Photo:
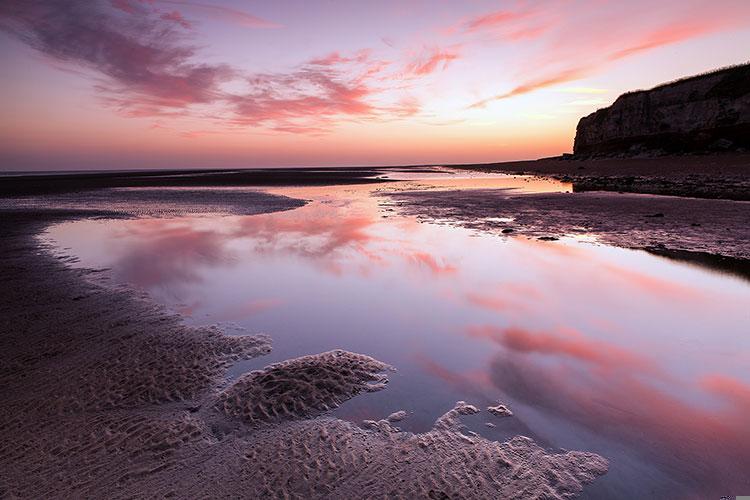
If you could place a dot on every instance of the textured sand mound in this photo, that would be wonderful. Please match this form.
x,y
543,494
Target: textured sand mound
x,y
329,458
301,387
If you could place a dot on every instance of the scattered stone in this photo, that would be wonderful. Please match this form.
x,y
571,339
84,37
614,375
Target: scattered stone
x,y
500,410
397,416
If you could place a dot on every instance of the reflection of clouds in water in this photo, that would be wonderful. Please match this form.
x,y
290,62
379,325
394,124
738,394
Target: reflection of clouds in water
x,y
569,343
168,254
325,234
653,285
619,395
508,297
625,396
248,308
313,235
471,383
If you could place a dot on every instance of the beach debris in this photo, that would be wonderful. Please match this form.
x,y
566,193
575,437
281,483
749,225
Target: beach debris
x,y
500,410
397,416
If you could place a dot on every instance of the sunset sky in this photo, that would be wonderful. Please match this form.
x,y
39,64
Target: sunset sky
x,y
240,83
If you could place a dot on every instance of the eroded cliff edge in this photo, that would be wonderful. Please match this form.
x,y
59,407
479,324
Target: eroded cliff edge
x,y
708,112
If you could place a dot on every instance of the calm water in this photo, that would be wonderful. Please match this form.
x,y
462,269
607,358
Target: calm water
x,y
639,358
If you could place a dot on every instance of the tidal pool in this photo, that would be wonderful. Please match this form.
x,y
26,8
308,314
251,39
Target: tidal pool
x,y
641,359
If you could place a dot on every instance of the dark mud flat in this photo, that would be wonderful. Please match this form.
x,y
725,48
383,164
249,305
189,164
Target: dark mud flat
x,y
716,176
153,202
20,185
682,228
107,395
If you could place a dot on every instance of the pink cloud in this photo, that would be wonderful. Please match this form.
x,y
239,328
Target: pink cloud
x,y
669,34
308,99
127,6
315,96
572,56
176,18
494,20
225,14
430,60
562,76
145,66
335,58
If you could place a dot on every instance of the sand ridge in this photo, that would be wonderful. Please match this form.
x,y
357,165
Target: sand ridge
x,y
301,387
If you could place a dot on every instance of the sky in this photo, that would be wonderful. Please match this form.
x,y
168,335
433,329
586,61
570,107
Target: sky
x,y
138,84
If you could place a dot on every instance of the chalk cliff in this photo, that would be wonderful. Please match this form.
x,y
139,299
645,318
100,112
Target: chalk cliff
x,y
707,112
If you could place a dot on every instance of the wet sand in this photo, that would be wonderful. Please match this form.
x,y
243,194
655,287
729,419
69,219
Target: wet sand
x,y
107,394
47,183
707,232
719,176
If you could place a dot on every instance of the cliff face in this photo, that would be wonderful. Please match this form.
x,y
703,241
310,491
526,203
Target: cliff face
x,y
700,113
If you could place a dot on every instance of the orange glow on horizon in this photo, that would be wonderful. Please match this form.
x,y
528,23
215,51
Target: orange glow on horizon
x,y
448,83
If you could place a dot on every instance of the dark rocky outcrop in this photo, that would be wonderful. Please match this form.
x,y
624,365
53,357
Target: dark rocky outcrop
x,y
709,112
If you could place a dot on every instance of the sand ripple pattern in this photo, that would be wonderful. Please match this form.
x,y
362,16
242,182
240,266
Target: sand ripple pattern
x,y
301,387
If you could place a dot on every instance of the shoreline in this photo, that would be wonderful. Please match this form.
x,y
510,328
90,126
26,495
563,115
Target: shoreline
x,y
706,232
713,176
109,394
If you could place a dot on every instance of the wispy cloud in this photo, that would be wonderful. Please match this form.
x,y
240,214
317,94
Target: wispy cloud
x,y
594,55
225,14
494,20
142,62
431,59
548,80
144,65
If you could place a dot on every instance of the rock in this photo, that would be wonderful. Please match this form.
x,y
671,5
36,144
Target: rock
x,y
507,230
695,114
500,410
396,416
721,144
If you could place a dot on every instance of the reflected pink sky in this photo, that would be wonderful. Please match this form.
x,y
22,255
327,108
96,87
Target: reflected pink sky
x,y
636,357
